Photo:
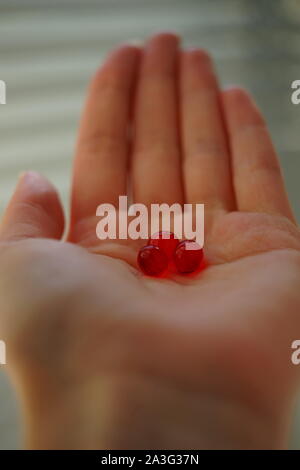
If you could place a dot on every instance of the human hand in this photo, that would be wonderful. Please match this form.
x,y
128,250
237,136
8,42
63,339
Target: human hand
x,y
104,357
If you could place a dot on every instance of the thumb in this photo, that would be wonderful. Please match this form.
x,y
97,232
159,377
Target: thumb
x,y
34,210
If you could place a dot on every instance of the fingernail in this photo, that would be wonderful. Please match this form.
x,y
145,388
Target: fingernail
x,y
135,42
230,87
28,176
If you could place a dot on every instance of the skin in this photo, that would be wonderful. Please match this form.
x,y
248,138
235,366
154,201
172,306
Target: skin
x,y
104,357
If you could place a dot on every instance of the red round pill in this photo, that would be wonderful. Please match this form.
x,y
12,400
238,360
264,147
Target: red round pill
x,y
152,260
188,256
166,241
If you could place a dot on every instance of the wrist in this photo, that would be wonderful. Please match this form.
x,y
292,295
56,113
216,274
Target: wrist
x,y
133,412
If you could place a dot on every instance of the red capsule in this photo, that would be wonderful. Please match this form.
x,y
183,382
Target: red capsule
x,y
167,241
152,260
188,256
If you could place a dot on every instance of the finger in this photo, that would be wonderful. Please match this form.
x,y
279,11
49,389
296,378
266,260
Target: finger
x,y
100,168
206,164
34,211
156,168
258,181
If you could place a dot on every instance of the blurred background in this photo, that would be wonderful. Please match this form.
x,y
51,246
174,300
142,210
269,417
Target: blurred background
x,y
49,49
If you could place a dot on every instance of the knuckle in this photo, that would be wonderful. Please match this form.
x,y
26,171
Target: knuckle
x,y
160,150
205,150
106,142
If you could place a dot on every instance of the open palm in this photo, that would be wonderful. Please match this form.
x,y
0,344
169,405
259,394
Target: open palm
x,y
183,362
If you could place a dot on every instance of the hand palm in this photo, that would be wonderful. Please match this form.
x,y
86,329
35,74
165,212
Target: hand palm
x,y
174,330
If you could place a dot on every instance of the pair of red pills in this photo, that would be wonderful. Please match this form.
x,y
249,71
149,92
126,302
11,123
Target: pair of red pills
x,y
164,248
